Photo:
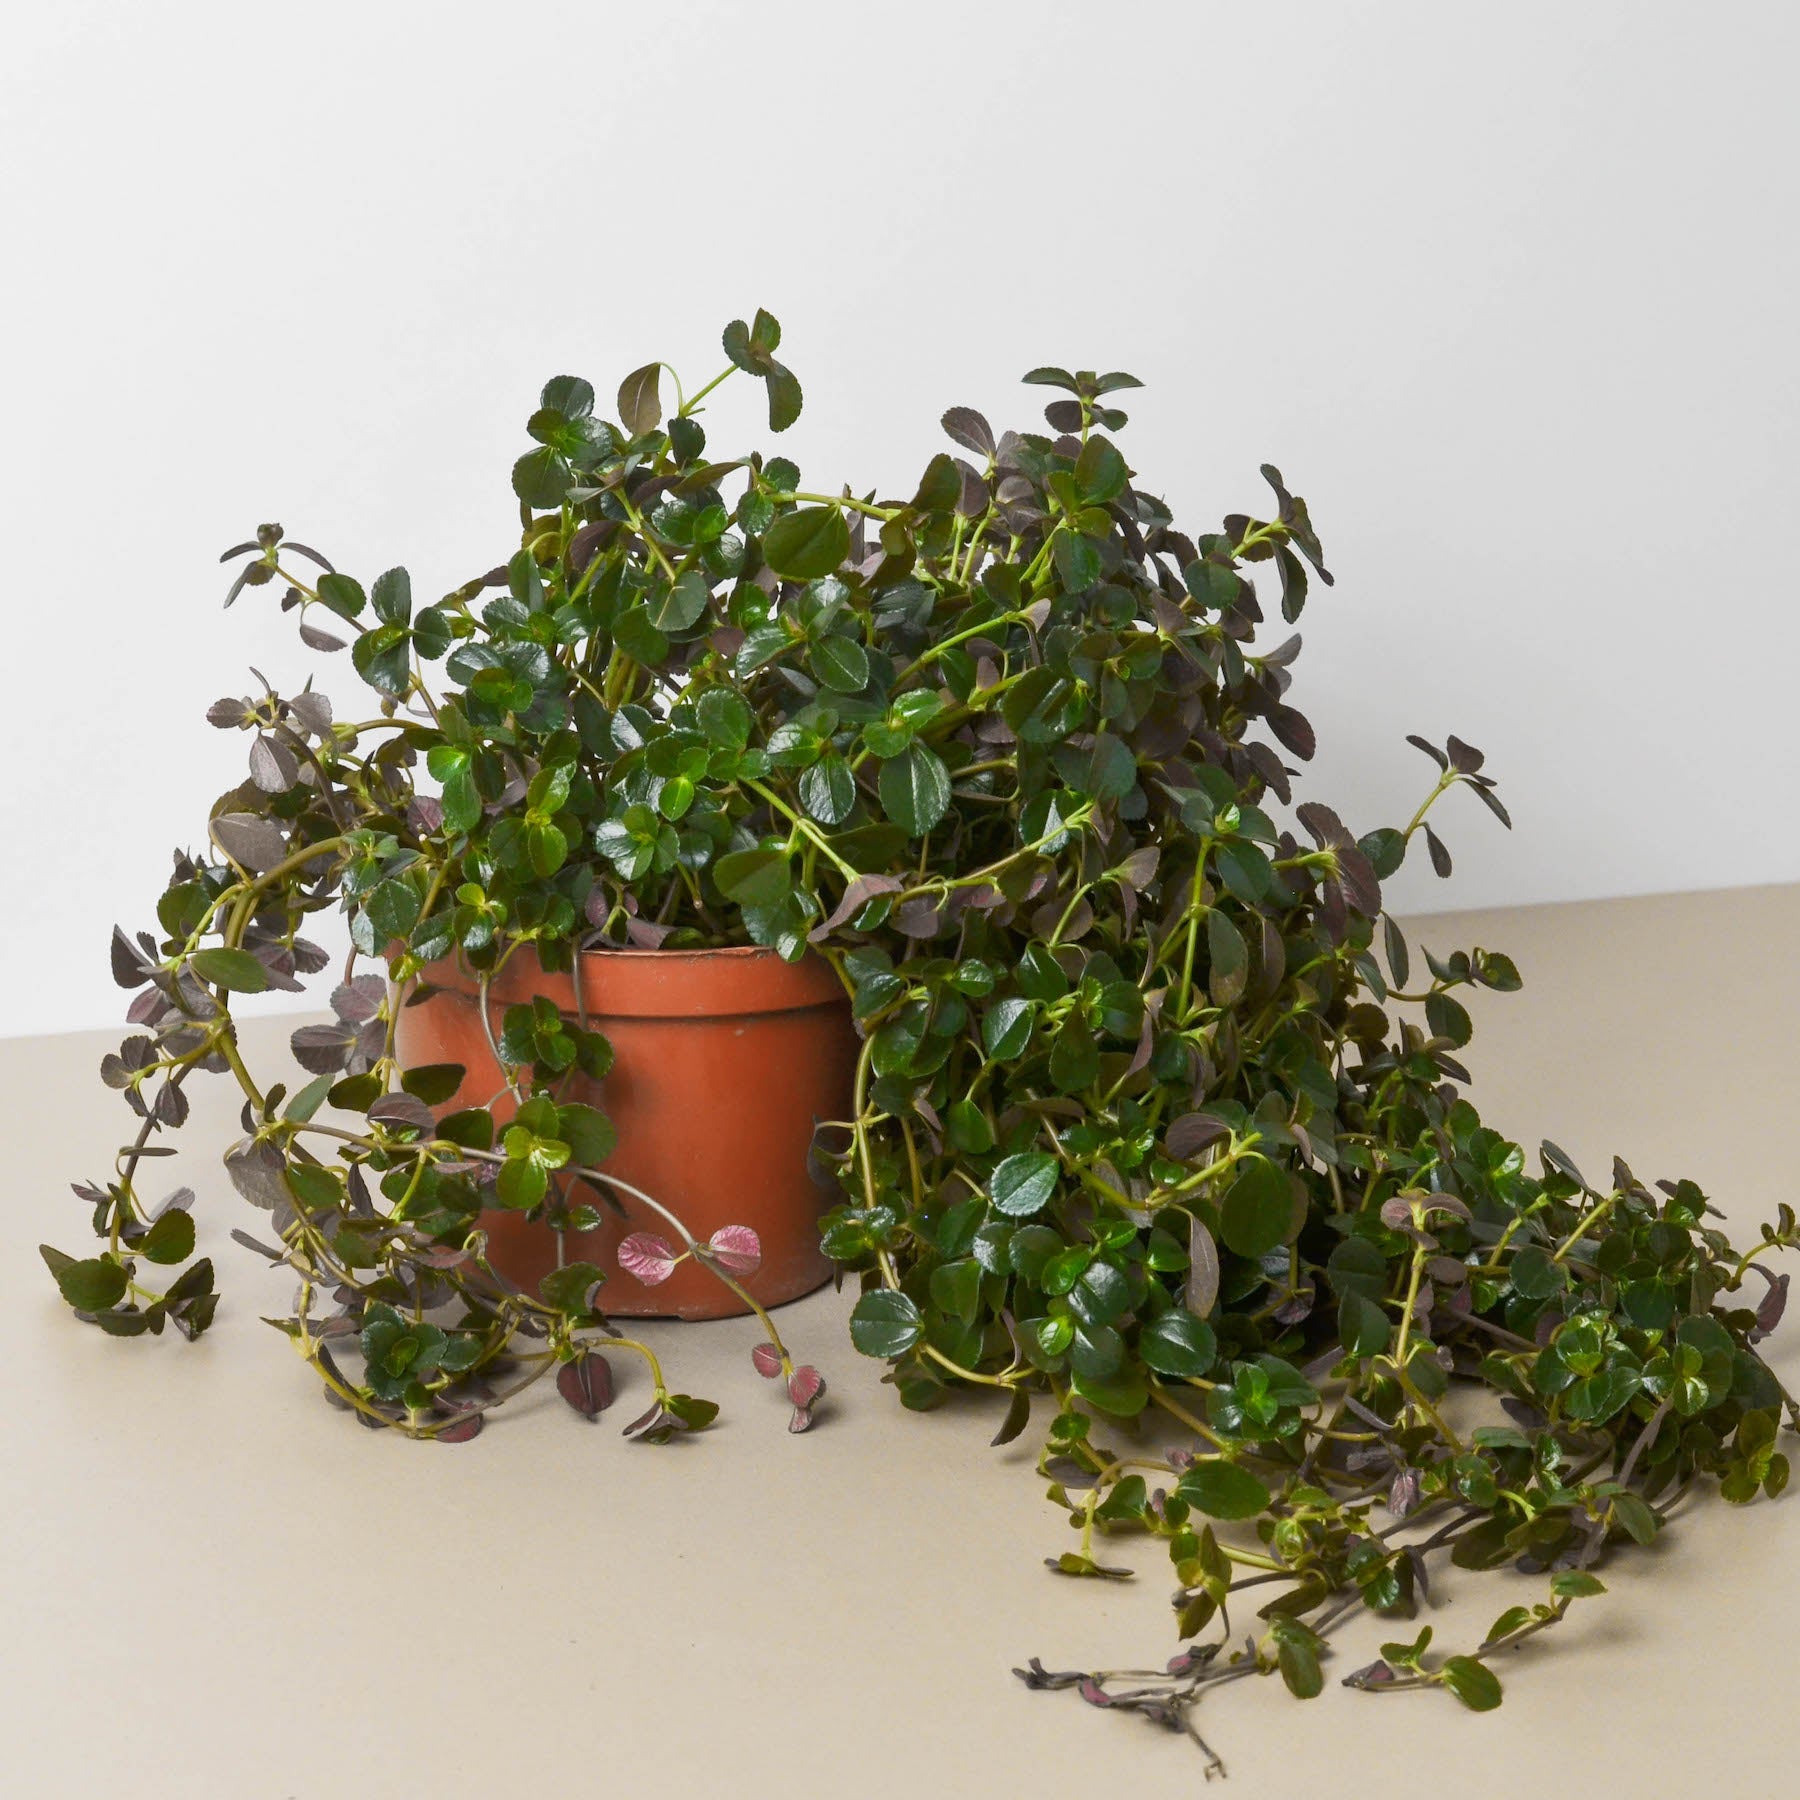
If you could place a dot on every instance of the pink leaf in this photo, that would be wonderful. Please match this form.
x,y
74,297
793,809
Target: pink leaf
x,y
805,1385
737,1249
767,1360
648,1257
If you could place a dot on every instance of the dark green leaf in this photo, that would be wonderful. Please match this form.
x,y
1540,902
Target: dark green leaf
x,y
806,544
884,1323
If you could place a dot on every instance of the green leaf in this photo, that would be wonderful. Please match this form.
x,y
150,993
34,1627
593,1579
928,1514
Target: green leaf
x,y
1178,1344
589,1133
393,909
1100,471
91,1285
344,596
841,663
1576,1584
567,1288
434,1083
885,1323
1074,1056
1534,1276
915,789
236,970
170,1238
724,718
758,877
683,606
807,543
1124,1395
522,1183
784,396
956,1288
1472,1682
381,657
1230,957
391,597
1223,1490
1258,1214
461,798
1596,1398
828,789
1006,1028
967,1128
1636,1516
1077,560
1363,1327
1022,1184
541,477
1299,1665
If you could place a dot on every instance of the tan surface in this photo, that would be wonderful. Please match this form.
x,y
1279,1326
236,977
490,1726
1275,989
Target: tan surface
x,y
211,1581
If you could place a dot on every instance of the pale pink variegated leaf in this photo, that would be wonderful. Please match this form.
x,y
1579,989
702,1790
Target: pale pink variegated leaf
x,y
767,1360
736,1249
648,1258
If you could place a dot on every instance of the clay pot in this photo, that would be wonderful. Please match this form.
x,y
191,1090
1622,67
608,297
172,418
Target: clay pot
x,y
723,1062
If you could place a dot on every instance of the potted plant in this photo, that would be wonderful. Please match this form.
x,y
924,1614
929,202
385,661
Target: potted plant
x,y
1146,1115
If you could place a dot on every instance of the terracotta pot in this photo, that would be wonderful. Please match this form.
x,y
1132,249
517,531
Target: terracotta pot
x,y
724,1060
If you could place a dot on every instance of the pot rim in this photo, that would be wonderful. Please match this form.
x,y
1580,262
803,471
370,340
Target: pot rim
x,y
722,981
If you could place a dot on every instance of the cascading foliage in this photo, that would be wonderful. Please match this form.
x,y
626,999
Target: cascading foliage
x,y
1155,1119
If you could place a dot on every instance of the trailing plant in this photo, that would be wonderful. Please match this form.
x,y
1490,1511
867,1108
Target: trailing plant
x,y
1160,1129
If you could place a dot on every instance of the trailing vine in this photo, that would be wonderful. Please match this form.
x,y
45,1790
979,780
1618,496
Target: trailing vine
x,y
1160,1130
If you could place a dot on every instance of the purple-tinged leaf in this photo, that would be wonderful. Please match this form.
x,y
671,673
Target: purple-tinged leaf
x,y
461,1429
736,1249
322,1049
587,1384
356,1002
805,1385
1192,1133
1768,1315
313,710
1202,1293
766,1360
403,1110
315,637
655,1426
272,765
131,967
259,1172
862,889
1018,1416
648,1258
965,426
255,843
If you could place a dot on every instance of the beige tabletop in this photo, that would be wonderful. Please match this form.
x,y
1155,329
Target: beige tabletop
x,y
211,1584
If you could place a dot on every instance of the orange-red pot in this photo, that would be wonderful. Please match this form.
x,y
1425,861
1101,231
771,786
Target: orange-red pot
x,y
724,1060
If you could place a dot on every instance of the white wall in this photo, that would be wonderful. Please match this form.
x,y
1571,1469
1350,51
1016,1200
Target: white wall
x,y
1507,291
